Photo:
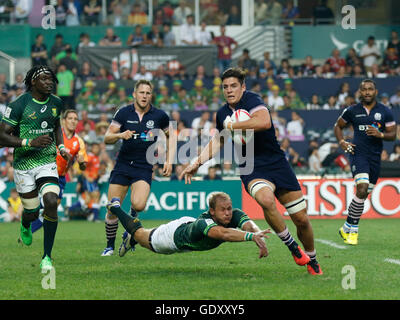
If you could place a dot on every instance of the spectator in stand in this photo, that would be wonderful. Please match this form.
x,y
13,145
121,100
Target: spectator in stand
x,y
110,98
331,104
200,73
260,12
70,60
322,14
352,59
391,62
314,104
307,69
22,10
274,12
370,53
177,173
245,62
279,123
72,13
7,8
188,31
358,72
267,62
314,163
158,18
341,73
385,100
384,155
88,98
169,36
212,15
395,99
61,13
283,69
15,207
291,155
39,51
335,61
123,98
394,41
344,91
85,42
110,39
199,95
85,72
137,15
125,74
202,123
104,74
155,37
65,88
184,101
225,49
348,101
57,47
395,155
91,12
84,119
117,18
163,99
234,17
181,12
143,74
204,37
290,12
137,38
294,128
274,99
19,82
168,12
212,174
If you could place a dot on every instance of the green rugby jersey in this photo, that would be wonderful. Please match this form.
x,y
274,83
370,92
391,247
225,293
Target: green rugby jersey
x,y
30,119
193,235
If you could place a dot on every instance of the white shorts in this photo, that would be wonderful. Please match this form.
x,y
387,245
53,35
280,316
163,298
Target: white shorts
x,y
25,180
162,239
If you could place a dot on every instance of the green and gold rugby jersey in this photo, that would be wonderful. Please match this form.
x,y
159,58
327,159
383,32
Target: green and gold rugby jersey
x,y
31,119
192,236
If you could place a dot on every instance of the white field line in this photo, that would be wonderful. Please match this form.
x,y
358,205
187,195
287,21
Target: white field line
x,y
331,243
392,261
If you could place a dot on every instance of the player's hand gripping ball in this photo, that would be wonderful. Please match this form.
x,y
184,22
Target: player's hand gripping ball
x,y
241,137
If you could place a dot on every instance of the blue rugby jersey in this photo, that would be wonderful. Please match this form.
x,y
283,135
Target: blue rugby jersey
x,y
133,151
267,151
359,117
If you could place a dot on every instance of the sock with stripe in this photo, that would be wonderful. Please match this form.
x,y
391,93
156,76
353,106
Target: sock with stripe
x,y
130,224
111,232
49,233
288,240
312,255
355,211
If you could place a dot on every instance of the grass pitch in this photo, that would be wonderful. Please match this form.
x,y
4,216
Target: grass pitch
x,y
230,272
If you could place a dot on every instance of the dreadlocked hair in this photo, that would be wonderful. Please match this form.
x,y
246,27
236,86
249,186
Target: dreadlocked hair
x,y
34,72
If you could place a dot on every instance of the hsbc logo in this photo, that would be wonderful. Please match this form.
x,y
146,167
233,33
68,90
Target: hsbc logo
x,y
357,44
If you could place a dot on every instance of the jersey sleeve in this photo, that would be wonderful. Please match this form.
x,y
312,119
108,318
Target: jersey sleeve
x,y
239,218
12,114
389,118
118,119
204,225
347,115
219,121
164,121
253,103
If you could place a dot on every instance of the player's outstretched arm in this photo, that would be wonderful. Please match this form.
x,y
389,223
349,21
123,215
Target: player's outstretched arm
x,y
113,134
233,235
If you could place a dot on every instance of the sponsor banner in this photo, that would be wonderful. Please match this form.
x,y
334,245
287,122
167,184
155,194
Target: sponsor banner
x,y
172,58
330,198
330,37
167,200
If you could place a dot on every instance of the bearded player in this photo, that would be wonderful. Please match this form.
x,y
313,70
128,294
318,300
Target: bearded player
x,y
373,123
75,146
272,175
31,125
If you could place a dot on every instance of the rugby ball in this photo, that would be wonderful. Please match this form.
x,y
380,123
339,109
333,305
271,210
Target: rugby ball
x,y
241,137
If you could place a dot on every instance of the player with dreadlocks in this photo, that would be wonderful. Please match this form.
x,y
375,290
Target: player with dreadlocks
x,y
31,125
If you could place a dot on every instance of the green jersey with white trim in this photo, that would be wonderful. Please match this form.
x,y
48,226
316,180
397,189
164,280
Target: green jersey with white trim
x,y
192,236
30,119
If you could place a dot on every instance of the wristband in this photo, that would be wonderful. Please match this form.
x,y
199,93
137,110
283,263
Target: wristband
x,y
248,236
26,143
61,147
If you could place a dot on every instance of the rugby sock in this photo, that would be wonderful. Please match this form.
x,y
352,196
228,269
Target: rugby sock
x,y
36,225
77,205
49,233
288,240
354,213
312,255
347,227
134,213
130,224
111,232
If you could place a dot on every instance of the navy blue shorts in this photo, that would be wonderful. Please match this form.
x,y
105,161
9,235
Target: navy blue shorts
x,y
125,175
61,183
364,164
281,175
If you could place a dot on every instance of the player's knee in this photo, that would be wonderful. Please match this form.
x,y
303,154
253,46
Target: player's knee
x,y
267,201
362,191
138,206
50,201
301,220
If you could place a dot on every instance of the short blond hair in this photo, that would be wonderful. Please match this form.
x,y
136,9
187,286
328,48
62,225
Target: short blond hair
x,y
215,197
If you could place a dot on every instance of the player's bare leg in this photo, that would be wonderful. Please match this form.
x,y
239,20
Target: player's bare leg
x,y
294,202
263,192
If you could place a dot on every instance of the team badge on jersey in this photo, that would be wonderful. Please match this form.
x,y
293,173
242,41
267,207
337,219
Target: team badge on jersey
x,y
150,124
378,116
